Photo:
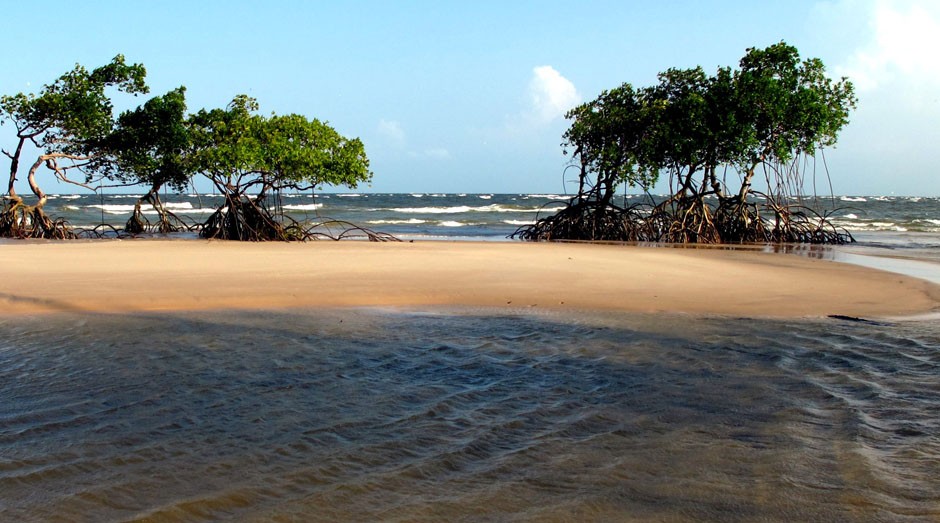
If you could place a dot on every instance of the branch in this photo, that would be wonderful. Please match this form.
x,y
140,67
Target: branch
x,y
53,164
122,184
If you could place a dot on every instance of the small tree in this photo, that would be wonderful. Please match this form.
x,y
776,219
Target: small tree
x,y
149,146
248,157
67,121
763,117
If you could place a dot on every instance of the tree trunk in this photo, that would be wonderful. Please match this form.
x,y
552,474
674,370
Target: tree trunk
x,y
153,196
35,186
14,167
716,185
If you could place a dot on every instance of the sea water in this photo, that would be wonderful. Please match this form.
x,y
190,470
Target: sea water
x,y
467,415
899,221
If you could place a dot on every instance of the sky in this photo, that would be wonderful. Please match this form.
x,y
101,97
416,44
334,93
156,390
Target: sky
x,y
470,96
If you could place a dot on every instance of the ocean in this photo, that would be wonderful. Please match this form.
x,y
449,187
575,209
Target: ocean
x,y
910,221
456,414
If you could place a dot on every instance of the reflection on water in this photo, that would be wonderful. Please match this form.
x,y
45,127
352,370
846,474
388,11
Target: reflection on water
x,y
919,261
398,416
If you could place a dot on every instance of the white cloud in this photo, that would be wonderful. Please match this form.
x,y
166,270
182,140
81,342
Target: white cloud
x,y
551,94
436,153
888,51
902,50
393,131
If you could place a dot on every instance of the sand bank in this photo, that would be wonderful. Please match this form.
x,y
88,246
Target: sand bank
x,y
146,275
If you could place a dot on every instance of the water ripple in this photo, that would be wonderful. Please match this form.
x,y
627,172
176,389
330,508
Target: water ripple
x,y
365,415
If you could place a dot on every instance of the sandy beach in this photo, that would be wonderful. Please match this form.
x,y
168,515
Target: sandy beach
x,y
139,275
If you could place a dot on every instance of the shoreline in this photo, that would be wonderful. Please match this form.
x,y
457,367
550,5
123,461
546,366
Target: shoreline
x,y
117,276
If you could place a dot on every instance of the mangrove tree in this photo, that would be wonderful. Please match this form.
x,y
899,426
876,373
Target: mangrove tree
x,y
711,136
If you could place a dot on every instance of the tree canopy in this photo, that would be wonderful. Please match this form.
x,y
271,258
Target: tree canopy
x,y
66,121
237,148
148,147
149,143
695,128
246,156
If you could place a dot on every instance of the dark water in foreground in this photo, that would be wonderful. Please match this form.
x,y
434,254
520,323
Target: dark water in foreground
x,y
406,416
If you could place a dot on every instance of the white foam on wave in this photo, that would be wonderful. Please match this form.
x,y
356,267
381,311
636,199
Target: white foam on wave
x,y
432,210
181,206
518,222
413,221
199,210
460,209
853,199
304,207
548,196
850,216
868,226
886,226
150,211
484,196
111,208
449,223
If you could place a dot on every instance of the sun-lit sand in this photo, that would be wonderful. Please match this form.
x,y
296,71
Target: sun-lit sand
x,y
146,275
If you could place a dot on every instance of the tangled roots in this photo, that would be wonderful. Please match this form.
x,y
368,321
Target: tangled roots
x,y
587,220
250,220
18,220
686,220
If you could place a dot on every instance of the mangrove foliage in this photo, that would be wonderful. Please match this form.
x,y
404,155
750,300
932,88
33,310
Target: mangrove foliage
x,y
248,158
712,137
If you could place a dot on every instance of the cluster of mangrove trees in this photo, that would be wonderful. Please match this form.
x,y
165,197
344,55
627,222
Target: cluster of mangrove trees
x,y
713,137
249,158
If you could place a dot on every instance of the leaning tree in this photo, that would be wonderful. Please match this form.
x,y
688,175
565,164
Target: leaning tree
x,y
67,122
711,136
250,158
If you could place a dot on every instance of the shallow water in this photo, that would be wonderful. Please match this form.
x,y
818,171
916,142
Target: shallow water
x,y
365,415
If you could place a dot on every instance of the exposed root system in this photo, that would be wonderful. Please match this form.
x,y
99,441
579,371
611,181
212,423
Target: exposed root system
x,y
686,220
342,230
244,219
166,222
247,219
588,220
18,220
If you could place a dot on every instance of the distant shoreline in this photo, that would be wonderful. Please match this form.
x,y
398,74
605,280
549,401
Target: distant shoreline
x,y
161,275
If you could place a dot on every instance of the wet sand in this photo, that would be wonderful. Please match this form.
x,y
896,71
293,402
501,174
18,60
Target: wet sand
x,y
150,275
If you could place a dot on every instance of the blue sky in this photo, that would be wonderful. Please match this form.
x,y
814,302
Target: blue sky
x,y
470,96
